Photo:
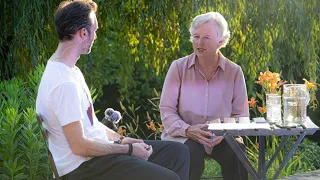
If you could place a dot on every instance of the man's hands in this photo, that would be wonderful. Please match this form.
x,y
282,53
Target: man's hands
x,y
200,134
140,149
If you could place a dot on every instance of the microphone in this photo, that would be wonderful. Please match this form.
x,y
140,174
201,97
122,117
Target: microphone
x,y
111,118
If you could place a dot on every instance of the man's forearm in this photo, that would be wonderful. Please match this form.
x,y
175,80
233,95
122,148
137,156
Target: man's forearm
x,y
87,147
91,148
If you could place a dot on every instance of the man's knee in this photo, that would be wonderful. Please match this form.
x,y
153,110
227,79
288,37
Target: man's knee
x,y
158,173
170,175
181,150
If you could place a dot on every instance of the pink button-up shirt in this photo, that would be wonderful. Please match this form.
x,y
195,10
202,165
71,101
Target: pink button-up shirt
x,y
188,98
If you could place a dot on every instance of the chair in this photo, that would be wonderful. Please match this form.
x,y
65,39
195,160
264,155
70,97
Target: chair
x,y
45,137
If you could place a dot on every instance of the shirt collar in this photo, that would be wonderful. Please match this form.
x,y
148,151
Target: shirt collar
x,y
222,62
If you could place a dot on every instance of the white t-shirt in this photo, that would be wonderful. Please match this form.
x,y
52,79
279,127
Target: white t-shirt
x,y
63,98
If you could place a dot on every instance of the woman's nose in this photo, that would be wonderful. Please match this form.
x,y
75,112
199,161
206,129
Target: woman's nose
x,y
201,40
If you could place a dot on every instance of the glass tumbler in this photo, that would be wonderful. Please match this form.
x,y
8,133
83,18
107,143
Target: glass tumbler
x,y
273,102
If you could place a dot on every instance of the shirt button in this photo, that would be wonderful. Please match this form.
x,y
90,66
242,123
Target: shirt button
x,y
206,94
205,106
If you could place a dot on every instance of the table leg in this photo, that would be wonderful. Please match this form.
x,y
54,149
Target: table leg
x,y
261,161
284,141
290,154
241,155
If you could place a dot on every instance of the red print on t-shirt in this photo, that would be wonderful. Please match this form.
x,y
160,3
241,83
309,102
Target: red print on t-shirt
x,y
89,113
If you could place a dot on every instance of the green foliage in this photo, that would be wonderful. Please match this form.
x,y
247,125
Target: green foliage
x,y
10,145
133,127
212,169
154,118
32,145
304,159
149,129
27,35
137,40
309,152
22,151
144,37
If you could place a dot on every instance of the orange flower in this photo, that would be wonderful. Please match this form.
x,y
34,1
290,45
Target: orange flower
x,y
274,77
273,87
263,76
151,126
262,110
270,81
308,84
257,145
252,102
161,128
122,131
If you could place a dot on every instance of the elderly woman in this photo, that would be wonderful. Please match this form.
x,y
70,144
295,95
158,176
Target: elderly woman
x,y
201,87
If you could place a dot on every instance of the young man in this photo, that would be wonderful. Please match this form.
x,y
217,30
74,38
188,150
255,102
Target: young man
x,y
82,147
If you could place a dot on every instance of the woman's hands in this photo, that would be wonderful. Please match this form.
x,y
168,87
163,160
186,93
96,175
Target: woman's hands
x,y
200,134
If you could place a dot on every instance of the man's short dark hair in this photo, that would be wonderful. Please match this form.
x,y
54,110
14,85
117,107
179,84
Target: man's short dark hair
x,y
72,16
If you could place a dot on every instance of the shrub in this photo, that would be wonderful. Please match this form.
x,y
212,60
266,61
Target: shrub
x,y
23,154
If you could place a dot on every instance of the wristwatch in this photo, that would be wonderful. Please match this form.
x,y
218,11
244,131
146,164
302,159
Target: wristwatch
x,y
119,140
130,149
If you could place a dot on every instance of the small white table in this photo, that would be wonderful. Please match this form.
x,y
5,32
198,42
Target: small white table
x,y
228,130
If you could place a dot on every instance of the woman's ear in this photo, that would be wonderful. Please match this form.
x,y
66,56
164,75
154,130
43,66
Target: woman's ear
x,y
220,43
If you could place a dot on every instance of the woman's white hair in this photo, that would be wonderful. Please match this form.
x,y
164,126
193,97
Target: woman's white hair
x,y
222,25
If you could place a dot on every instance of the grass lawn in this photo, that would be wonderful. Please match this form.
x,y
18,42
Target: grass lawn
x,y
212,170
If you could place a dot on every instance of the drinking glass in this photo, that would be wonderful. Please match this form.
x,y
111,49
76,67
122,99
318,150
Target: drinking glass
x,y
273,102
